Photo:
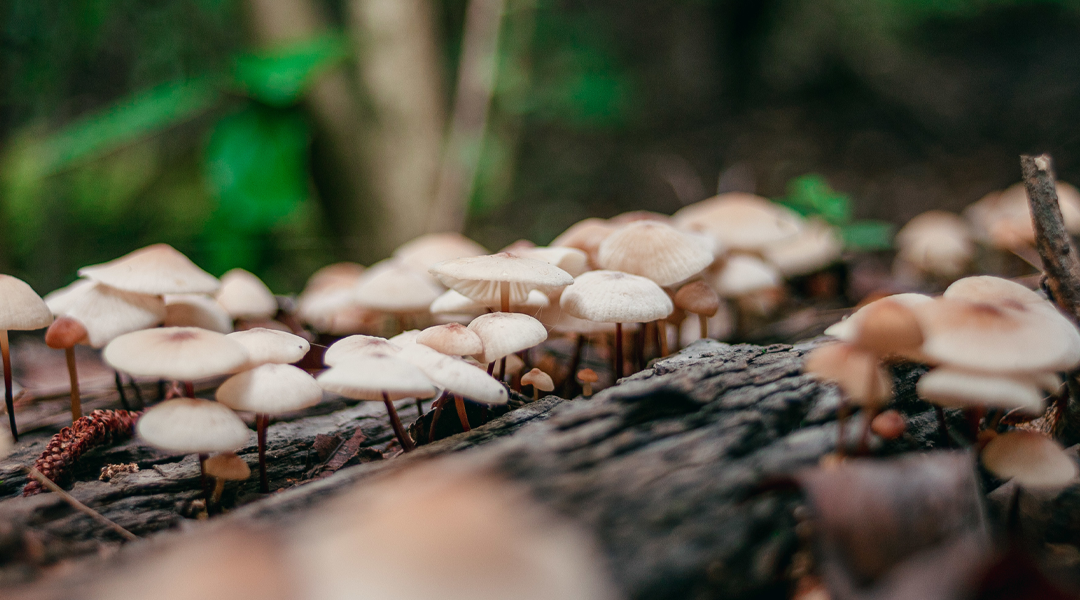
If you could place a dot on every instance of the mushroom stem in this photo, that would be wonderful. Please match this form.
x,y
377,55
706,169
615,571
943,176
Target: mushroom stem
x,y
73,376
189,389
139,404
491,368
586,389
841,417
502,368
704,322
618,352
459,403
419,408
261,423
943,425
437,407
120,391
504,295
639,348
536,393
202,479
395,422
8,400
864,438
219,487
661,336
575,362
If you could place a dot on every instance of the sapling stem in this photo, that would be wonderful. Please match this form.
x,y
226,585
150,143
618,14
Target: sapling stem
x,y
459,403
8,399
618,352
261,423
73,375
395,422
120,391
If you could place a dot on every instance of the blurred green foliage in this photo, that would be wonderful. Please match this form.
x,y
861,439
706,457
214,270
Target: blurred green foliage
x,y
811,196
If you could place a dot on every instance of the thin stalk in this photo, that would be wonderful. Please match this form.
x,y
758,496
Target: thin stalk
x,y
704,322
841,419
79,506
459,403
502,368
864,438
73,375
575,362
504,296
202,480
120,391
395,422
419,408
943,426
219,487
189,389
618,352
261,424
139,404
661,335
491,368
639,348
437,408
8,399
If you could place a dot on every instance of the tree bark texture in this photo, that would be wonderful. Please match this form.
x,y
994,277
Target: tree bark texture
x,y
668,469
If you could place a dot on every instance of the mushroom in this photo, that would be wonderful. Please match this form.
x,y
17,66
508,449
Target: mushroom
x,y
656,251
193,426
500,279
270,346
269,389
457,377
428,250
936,243
196,310
504,333
859,375
379,377
63,334
1030,459
587,377
156,270
357,345
452,339
753,284
616,297
21,309
586,235
245,297
813,248
540,382
226,466
740,221
328,301
698,298
176,353
392,287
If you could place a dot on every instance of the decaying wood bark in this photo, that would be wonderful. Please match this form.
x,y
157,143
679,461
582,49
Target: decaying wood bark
x,y
1055,245
669,470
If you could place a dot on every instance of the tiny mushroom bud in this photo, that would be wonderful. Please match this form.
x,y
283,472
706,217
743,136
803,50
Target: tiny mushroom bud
x,y
540,381
587,377
888,425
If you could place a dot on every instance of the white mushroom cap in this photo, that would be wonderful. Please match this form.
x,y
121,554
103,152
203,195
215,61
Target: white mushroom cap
x,y
370,377
453,339
454,375
158,269
1030,459
615,297
270,389
245,296
856,371
107,312
992,290
335,311
405,338
453,303
1004,218
336,275
740,221
1006,338
357,345
657,251
391,286
479,277
196,310
192,426
743,274
60,300
538,379
270,346
947,386
506,333
21,309
815,247
846,328
180,353
936,242
428,250
586,235
572,260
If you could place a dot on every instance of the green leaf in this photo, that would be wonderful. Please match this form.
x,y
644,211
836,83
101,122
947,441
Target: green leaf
x,y
279,77
867,235
810,195
127,121
257,166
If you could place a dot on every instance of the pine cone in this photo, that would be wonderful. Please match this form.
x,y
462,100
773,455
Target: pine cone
x,y
99,428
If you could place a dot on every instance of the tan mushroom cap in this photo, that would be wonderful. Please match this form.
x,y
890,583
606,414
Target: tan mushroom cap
x,y
391,286
479,277
815,247
615,297
21,309
586,235
454,375
158,269
740,221
888,328
357,345
1003,219
454,303
245,296
539,380
428,250
179,353
270,346
60,300
992,290
587,376
453,339
65,332
856,371
846,329
196,310
370,377
336,275
192,426
743,274
937,242
948,386
1030,459
698,298
572,260
107,313
227,466
657,251
1005,338
335,311
270,389
506,333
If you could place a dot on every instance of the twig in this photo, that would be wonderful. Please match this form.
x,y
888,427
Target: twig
x,y
79,506
1060,263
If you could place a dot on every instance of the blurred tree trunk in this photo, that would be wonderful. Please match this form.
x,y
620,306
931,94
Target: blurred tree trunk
x,y
335,111
399,68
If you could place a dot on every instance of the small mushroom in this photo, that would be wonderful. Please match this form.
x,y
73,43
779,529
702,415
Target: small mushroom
x,y
587,377
357,345
540,382
156,270
226,466
245,297
63,334
177,353
21,309
657,251
1030,459
698,298
503,333
270,346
